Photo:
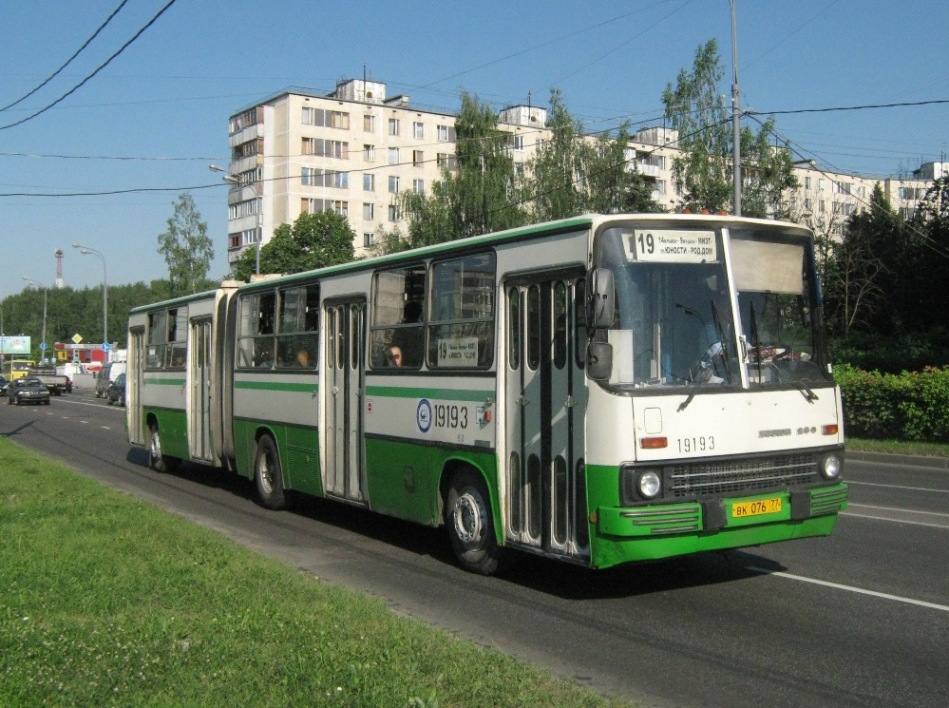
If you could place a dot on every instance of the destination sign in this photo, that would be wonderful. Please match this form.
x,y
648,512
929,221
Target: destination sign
x,y
671,246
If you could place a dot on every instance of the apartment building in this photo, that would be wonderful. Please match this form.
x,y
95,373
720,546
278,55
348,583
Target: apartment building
x,y
356,149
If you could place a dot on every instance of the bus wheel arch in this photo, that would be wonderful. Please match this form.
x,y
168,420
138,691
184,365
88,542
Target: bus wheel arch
x,y
469,518
268,472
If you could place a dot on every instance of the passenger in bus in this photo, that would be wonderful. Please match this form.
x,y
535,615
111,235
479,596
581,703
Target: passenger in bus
x,y
394,356
303,359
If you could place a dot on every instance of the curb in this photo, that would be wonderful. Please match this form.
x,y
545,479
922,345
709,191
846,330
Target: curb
x,y
900,460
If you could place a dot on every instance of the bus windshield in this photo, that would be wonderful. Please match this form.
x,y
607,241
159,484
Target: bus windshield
x,y
685,317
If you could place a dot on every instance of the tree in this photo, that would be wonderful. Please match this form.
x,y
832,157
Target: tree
x,y
480,197
573,175
704,172
187,248
314,241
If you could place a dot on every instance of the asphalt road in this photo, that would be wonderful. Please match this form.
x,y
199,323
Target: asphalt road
x,y
859,618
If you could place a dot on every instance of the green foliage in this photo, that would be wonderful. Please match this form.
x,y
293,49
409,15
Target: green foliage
x,y
475,199
314,241
108,601
906,406
704,172
187,248
569,175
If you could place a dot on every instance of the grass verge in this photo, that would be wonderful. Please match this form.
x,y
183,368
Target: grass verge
x,y
898,447
105,600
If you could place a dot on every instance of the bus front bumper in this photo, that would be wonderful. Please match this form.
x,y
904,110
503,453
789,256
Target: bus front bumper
x,y
626,534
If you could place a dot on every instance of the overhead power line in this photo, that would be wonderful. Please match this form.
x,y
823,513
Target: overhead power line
x,y
903,104
93,74
68,61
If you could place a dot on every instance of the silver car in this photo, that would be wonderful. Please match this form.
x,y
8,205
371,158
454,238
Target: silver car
x,y
27,390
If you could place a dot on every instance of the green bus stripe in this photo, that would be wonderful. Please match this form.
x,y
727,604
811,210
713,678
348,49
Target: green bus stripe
x,y
439,393
276,386
162,381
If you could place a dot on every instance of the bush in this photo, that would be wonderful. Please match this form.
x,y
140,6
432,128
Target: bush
x,y
905,406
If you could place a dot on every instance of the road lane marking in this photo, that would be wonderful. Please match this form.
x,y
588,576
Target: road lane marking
x,y
898,486
933,519
850,588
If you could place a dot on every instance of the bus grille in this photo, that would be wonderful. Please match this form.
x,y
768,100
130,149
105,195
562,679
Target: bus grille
x,y
742,476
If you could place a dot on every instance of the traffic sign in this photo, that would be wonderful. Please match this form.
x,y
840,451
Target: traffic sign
x,y
76,338
43,346
105,346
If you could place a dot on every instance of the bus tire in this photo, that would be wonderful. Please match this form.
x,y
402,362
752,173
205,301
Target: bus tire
x,y
471,526
268,475
156,459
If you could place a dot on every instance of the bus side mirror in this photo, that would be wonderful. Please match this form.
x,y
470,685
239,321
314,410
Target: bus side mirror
x,y
599,363
601,299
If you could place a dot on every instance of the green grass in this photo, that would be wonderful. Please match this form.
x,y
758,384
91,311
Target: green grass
x,y
898,447
105,600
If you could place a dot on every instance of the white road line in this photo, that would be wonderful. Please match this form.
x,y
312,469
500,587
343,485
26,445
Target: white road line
x,y
850,588
897,486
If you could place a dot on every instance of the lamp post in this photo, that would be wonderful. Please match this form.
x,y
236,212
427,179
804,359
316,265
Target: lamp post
x,y
259,235
45,293
86,251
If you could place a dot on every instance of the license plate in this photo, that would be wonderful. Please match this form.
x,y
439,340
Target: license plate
x,y
756,508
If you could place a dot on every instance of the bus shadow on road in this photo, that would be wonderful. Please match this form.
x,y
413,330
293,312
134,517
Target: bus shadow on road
x,y
564,580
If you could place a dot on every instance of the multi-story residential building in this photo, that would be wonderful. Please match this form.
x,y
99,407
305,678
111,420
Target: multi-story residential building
x,y
355,150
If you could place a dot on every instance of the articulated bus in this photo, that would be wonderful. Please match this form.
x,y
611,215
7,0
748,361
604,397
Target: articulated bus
x,y
601,389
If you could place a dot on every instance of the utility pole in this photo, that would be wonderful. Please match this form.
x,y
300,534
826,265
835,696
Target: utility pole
x,y
736,114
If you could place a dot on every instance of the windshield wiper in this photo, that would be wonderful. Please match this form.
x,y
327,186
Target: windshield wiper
x,y
808,394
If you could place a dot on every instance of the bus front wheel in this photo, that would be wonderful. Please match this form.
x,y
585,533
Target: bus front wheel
x,y
268,475
470,525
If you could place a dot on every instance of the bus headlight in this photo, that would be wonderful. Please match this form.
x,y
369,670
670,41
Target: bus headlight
x,y
649,484
830,467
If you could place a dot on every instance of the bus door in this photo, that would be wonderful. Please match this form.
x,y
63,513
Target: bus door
x,y
546,401
345,327
134,380
199,400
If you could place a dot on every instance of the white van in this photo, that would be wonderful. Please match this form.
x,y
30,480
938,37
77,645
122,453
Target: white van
x,y
107,374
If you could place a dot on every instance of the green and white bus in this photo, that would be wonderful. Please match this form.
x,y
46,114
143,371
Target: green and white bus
x,y
601,389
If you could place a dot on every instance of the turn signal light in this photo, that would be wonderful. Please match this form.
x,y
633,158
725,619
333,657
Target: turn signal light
x,y
656,443
831,429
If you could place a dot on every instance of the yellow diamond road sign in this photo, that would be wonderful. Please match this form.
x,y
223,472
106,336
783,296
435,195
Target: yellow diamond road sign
x,y
76,338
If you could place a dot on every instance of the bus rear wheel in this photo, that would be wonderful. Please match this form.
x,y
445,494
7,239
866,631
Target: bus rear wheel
x,y
470,525
156,460
268,475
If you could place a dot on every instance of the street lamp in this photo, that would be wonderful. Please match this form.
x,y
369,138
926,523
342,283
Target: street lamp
x,y
259,235
86,251
45,293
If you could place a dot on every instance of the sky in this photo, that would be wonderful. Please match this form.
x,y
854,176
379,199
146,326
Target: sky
x,y
99,154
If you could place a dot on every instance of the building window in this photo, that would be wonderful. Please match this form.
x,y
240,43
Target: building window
x,y
368,182
325,118
315,177
368,211
393,212
369,153
394,184
393,156
368,240
325,148
446,134
418,158
517,142
446,161
369,123
418,186
418,130
393,126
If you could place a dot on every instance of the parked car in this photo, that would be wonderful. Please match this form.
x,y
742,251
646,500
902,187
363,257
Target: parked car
x,y
3,385
116,391
106,375
28,390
